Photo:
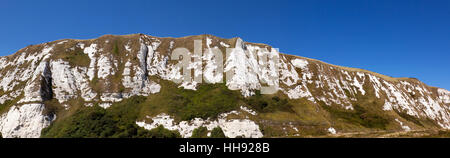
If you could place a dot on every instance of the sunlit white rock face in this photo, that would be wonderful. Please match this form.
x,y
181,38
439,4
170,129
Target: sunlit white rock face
x,y
232,128
70,82
250,67
24,121
35,74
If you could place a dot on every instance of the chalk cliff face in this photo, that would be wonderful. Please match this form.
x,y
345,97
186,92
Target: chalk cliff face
x,y
110,69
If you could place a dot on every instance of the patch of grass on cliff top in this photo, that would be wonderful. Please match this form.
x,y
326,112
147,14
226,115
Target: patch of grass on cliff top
x,y
75,57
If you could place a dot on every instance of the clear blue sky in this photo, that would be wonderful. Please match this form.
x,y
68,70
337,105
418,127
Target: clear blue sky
x,y
399,38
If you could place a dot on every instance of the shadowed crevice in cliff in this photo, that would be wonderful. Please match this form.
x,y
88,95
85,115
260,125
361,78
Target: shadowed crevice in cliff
x,y
46,83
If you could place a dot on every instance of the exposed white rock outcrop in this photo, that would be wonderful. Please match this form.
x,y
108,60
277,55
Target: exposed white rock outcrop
x,y
444,95
341,86
38,88
139,84
213,64
24,121
105,67
300,63
91,51
70,82
404,127
331,130
248,67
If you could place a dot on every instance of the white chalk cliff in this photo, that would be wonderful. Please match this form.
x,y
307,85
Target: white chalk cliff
x,y
39,73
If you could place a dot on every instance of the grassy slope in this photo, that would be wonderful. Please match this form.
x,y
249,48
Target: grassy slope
x,y
96,122
119,120
207,102
276,113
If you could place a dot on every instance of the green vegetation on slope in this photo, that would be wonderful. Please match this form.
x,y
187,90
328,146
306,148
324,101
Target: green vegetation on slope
x,y
275,112
217,133
208,101
200,132
360,115
75,57
115,49
266,103
423,122
161,132
438,134
118,121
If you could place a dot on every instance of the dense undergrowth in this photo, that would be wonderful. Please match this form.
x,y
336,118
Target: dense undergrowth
x,y
209,101
360,115
202,132
118,121
266,103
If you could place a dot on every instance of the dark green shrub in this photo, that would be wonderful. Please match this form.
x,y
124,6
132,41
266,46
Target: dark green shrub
x,y
200,132
161,132
217,133
207,102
